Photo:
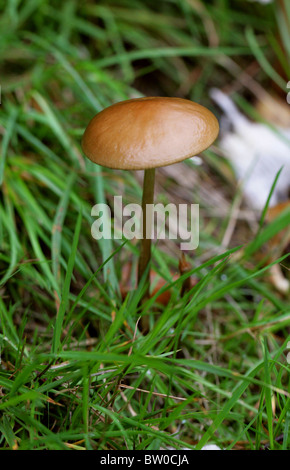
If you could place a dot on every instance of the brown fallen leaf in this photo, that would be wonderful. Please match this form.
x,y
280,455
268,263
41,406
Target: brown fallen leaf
x,y
157,282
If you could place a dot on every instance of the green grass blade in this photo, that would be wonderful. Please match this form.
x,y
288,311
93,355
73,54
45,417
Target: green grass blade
x,y
65,291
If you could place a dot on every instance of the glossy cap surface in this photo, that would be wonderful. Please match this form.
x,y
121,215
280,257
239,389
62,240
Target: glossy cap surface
x,y
147,133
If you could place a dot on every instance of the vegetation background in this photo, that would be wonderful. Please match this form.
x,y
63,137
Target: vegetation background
x,y
76,372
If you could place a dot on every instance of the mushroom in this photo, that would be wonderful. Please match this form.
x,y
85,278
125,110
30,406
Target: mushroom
x,y
144,134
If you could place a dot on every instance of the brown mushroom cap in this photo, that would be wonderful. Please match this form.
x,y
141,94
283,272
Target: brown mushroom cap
x,y
147,133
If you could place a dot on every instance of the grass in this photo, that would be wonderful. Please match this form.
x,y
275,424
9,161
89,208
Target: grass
x,y
76,372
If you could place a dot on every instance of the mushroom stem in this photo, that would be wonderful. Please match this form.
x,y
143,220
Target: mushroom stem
x,y
145,253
